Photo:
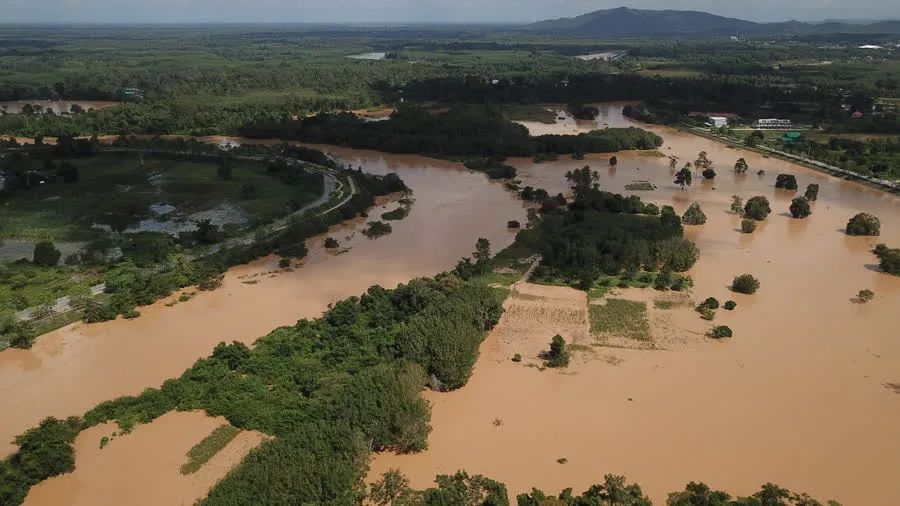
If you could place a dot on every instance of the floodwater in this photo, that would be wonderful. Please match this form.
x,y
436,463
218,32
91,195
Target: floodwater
x,y
71,370
806,395
605,56
58,106
143,467
368,56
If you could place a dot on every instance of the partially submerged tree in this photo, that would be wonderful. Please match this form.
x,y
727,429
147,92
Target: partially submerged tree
x,y
709,173
865,296
737,205
694,215
864,224
719,332
741,166
684,177
757,208
745,283
800,207
812,192
748,226
889,259
558,356
786,182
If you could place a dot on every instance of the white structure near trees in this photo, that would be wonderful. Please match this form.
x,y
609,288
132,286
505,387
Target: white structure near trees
x,y
772,123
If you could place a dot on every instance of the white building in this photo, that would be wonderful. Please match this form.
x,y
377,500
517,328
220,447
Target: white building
x,y
717,121
772,123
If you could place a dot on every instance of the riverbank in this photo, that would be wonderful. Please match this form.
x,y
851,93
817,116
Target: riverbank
x,y
60,375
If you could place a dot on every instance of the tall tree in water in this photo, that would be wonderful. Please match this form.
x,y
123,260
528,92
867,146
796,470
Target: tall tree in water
x,y
583,181
684,177
741,166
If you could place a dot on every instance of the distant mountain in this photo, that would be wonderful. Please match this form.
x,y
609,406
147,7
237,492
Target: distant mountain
x,y
625,22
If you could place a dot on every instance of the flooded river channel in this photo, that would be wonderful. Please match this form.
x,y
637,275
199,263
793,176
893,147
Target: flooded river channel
x,y
70,370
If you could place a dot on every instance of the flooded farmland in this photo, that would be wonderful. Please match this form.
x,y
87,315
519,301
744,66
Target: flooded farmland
x,y
801,396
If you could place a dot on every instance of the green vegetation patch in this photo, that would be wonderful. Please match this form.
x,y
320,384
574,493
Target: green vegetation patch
x,y
621,317
117,190
208,447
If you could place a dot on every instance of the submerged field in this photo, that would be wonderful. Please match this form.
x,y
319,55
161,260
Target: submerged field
x,y
131,192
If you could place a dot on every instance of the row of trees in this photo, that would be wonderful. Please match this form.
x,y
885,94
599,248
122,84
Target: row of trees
x,y
474,131
464,490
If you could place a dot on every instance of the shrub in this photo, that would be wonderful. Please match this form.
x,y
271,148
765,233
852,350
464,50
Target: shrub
x,y
720,331
864,224
865,296
46,254
706,313
694,215
558,356
730,305
745,283
786,182
331,243
757,208
748,226
800,207
709,174
517,357
284,263
513,224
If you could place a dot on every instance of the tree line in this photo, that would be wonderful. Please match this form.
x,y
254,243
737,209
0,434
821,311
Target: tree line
x,y
465,130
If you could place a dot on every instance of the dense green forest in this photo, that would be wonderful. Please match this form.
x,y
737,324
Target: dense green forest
x,y
602,233
209,80
480,131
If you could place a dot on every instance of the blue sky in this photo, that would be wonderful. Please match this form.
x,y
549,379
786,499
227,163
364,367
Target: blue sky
x,y
416,10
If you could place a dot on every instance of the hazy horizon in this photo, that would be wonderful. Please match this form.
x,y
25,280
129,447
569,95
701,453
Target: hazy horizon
x,y
413,11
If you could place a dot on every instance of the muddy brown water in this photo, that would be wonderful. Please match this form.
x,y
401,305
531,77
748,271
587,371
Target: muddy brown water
x,y
71,370
143,467
800,396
